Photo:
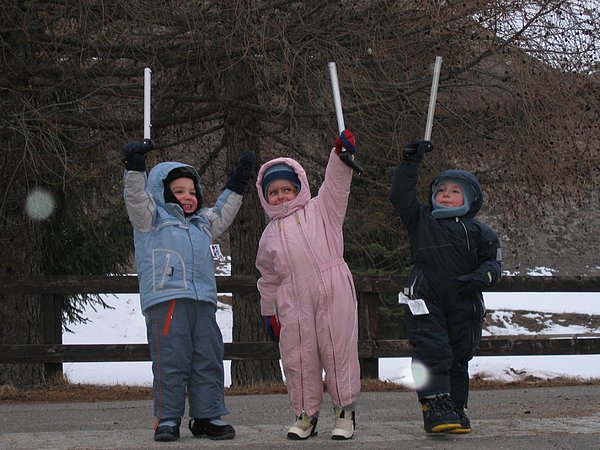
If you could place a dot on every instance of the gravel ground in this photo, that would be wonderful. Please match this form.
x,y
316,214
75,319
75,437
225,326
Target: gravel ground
x,y
530,418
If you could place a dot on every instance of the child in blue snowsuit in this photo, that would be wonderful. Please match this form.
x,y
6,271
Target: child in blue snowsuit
x,y
172,236
455,257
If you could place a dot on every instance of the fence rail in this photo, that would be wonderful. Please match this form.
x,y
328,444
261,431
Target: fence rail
x,y
53,353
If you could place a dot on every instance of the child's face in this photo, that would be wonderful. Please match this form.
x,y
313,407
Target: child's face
x,y
185,191
280,191
449,194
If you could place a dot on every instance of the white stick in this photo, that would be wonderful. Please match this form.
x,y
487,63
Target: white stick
x,y
433,97
337,99
147,102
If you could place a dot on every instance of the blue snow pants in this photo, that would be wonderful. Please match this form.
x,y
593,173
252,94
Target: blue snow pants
x,y
186,347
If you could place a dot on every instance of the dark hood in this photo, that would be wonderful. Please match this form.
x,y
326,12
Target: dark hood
x,y
465,177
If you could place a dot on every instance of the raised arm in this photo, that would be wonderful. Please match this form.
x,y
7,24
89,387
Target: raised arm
x,y
229,202
139,203
334,192
403,194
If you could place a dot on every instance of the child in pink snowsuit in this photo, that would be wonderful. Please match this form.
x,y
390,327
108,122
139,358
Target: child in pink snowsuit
x,y
307,290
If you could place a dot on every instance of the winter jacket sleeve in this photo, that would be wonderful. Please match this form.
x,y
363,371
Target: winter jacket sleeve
x,y
489,256
222,214
269,282
403,194
139,203
335,189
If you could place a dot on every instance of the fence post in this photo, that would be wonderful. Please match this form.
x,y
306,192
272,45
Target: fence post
x,y
368,329
51,319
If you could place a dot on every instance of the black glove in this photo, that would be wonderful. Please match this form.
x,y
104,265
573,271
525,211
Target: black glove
x,y
473,282
134,154
415,150
242,173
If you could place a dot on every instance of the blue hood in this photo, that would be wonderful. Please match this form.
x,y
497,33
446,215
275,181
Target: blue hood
x,y
157,175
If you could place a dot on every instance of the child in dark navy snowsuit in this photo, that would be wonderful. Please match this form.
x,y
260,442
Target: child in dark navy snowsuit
x,y
455,258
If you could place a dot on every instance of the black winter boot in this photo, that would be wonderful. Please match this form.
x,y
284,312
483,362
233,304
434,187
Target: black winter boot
x,y
439,414
167,430
217,430
465,423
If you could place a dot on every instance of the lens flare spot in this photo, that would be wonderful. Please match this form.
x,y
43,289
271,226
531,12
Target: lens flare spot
x,y
420,375
39,204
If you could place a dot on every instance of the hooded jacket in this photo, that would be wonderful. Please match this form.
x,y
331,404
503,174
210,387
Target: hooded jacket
x,y
304,237
172,251
444,249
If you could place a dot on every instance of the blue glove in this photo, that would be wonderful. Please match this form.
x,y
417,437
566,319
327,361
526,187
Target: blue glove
x,y
346,142
473,282
273,327
415,150
242,173
134,155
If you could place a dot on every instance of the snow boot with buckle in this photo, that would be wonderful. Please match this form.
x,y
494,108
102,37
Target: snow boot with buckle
x,y
304,427
345,423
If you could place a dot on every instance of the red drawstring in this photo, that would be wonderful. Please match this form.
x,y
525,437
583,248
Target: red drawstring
x,y
169,317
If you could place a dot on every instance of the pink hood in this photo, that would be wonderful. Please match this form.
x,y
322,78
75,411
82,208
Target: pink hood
x,y
287,208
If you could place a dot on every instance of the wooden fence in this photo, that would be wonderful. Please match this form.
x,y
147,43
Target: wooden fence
x,y
53,353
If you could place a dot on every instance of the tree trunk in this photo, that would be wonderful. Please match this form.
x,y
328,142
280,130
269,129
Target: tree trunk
x,y
20,325
19,314
241,134
22,235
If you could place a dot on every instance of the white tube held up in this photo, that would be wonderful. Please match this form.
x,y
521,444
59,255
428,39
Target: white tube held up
x,y
337,99
433,97
147,103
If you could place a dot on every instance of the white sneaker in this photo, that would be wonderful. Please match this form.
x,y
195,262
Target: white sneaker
x,y
344,425
304,427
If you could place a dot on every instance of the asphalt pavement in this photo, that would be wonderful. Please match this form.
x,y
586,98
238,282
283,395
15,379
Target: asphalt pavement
x,y
532,418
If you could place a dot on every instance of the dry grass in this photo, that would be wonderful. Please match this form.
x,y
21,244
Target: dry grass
x,y
60,390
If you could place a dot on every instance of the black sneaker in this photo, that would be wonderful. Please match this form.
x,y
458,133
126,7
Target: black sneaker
x,y
465,423
439,414
204,428
166,433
